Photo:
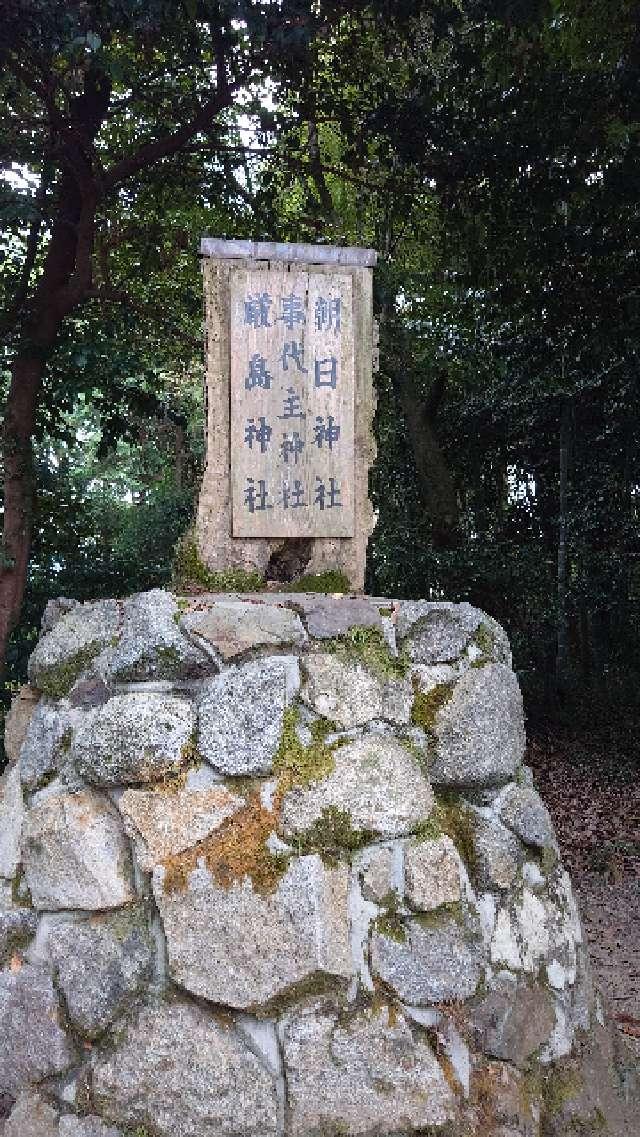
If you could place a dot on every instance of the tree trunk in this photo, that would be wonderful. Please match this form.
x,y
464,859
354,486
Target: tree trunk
x,y
562,627
435,481
19,426
63,285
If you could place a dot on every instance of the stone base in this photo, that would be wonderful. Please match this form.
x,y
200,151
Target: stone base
x,y
271,866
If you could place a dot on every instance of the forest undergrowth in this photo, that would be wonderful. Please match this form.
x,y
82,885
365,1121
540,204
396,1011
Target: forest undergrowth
x,y
586,767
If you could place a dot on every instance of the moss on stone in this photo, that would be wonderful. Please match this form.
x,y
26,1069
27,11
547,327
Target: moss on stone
x,y
168,655
238,849
190,574
390,923
368,647
20,891
300,765
58,679
385,611
562,1085
548,858
332,834
66,740
458,821
483,638
331,581
189,754
433,919
426,704
429,829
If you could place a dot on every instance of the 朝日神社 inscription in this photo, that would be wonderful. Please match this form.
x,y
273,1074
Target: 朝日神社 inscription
x,y
292,404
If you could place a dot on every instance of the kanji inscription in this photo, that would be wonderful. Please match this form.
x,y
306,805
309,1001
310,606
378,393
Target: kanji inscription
x,y
292,404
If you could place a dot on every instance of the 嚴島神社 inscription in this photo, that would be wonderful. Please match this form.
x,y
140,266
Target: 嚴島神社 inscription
x,y
292,404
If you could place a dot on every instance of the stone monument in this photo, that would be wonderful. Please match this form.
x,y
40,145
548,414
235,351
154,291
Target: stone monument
x,y
289,409
272,866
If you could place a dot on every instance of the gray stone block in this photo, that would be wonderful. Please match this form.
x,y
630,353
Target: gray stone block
x,y
101,965
361,1074
138,737
241,714
75,853
181,1073
33,1044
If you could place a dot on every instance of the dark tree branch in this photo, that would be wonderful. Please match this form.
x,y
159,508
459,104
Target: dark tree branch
x,y
152,152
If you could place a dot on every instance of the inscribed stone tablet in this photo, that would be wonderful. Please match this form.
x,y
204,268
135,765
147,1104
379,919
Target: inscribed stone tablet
x,y
292,404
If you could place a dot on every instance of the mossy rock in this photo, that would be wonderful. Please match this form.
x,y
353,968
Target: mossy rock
x,y
427,704
333,835
457,820
58,679
296,764
368,647
332,581
191,574
484,639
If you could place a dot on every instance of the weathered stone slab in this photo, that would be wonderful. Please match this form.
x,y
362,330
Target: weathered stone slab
x,y
73,643
46,744
138,737
497,853
11,817
432,873
513,1020
435,632
442,632
480,730
241,714
182,1074
523,810
376,785
351,695
75,853
234,946
364,1075
33,1044
233,626
427,963
31,1116
151,645
328,617
165,823
101,964
17,721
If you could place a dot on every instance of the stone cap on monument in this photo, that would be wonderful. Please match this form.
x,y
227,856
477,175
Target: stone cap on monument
x,y
289,345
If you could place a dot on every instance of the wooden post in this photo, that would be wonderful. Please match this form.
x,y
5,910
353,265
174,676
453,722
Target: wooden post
x,y
289,344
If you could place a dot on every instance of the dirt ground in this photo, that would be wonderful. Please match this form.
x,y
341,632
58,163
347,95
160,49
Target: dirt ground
x,y
593,793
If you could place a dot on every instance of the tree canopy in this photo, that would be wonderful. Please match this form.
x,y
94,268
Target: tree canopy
x,y
488,151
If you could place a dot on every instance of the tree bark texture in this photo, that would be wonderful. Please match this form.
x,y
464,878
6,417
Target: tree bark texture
x,y
435,481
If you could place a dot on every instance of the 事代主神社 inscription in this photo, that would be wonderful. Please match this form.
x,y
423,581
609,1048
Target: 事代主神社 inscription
x,y
292,404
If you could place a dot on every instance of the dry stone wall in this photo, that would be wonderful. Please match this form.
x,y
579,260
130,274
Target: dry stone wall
x,y
271,866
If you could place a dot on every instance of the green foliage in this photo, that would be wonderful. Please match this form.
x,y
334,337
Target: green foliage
x,y
489,156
